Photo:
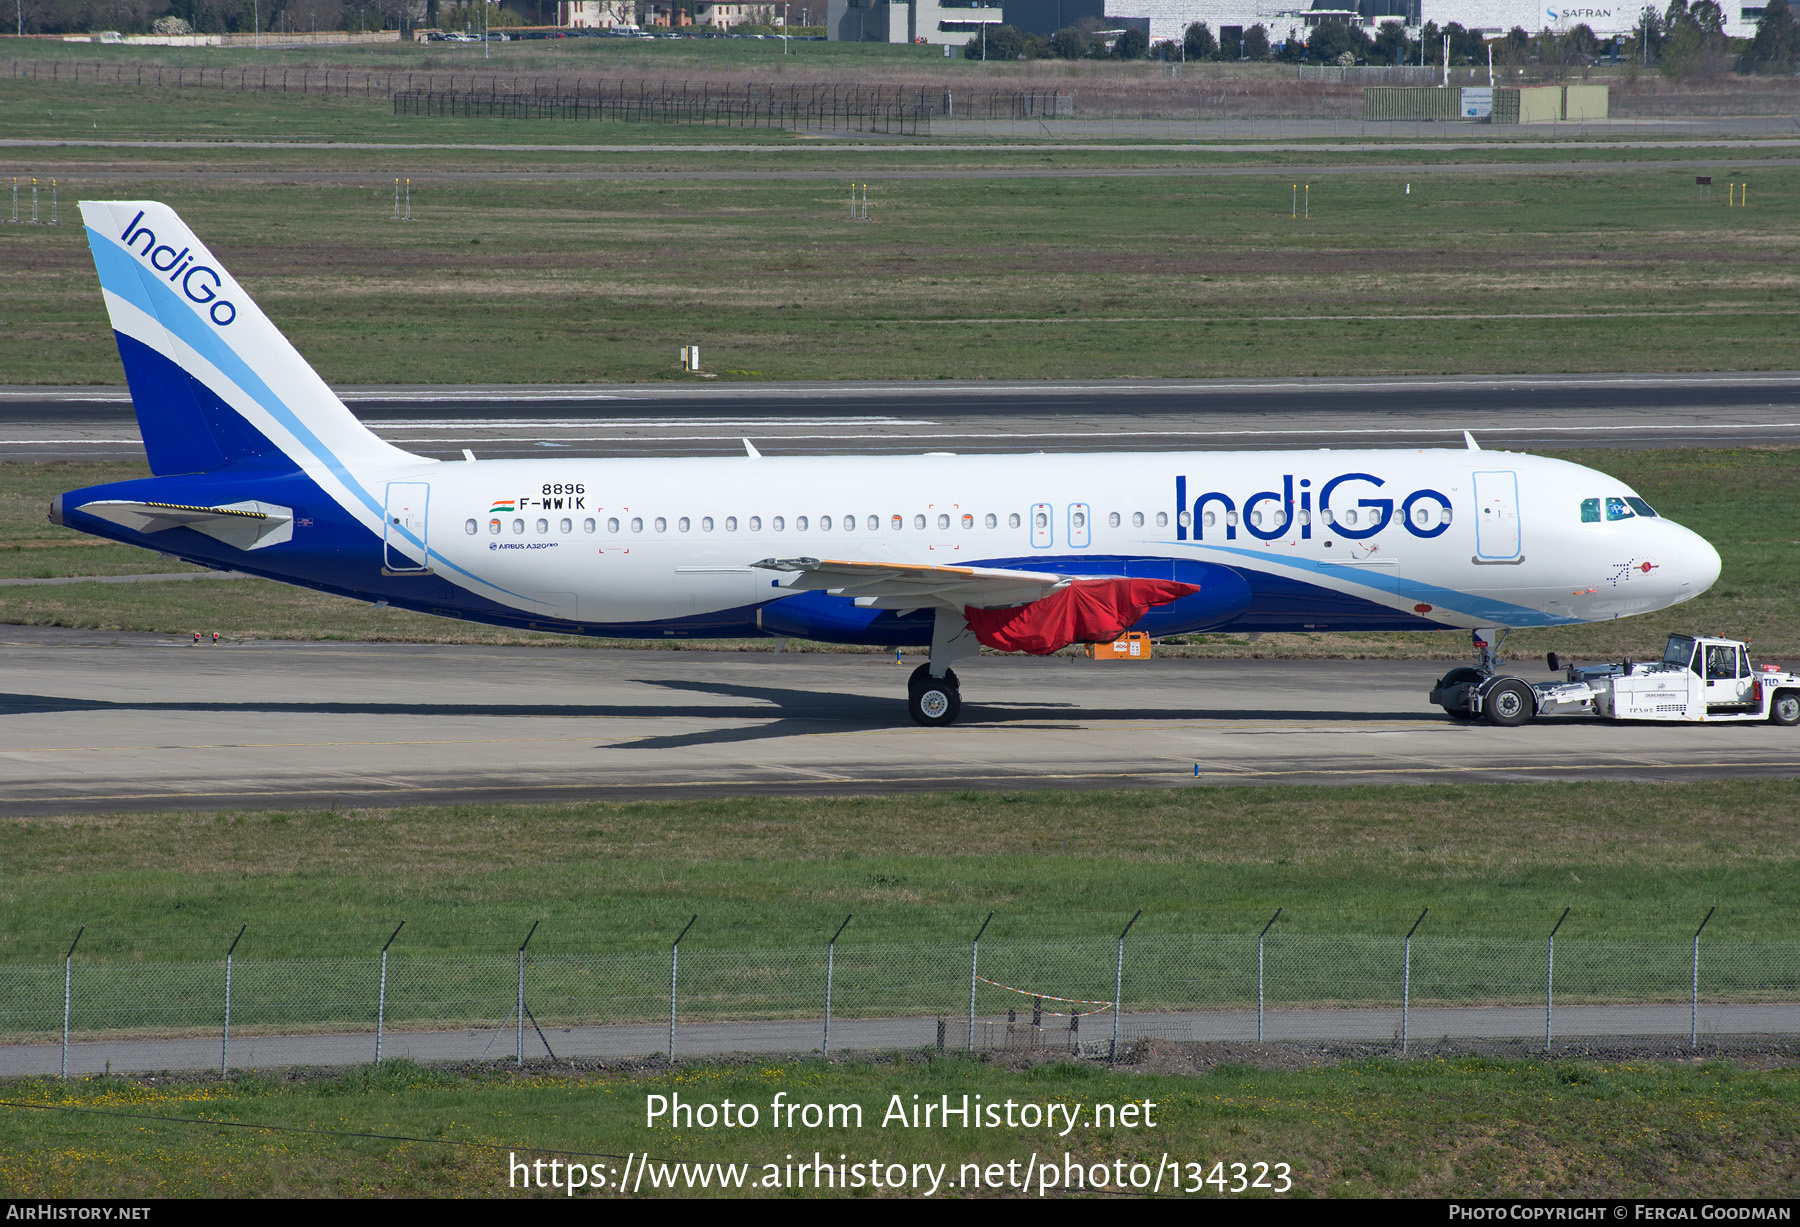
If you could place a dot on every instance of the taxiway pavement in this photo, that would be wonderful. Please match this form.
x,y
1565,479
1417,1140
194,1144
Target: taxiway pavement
x,y
99,722
870,418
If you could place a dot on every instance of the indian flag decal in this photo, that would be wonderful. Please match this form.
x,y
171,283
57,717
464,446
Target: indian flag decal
x,y
505,504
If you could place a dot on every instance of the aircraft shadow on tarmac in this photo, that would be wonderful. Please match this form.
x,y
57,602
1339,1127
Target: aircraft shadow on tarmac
x,y
778,712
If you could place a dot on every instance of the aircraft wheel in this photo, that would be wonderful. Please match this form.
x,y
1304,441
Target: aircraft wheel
x,y
1509,703
1785,710
933,702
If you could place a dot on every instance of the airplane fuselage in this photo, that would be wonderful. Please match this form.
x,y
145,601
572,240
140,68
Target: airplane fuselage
x,y
1321,540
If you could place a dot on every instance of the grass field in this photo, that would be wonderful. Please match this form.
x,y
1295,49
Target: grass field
x,y
1452,1126
1633,860
1737,499
554,275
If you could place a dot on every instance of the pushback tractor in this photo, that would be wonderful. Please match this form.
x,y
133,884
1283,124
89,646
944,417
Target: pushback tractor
x,y
1700,679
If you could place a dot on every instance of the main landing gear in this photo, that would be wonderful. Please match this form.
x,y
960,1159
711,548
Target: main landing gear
x,y
933,701
933,697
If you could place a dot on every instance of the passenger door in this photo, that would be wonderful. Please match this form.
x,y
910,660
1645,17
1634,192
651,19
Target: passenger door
x,y
404,526
1497,535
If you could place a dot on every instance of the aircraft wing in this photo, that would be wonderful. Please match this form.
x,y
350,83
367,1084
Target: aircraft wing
x,y
247,526
894,585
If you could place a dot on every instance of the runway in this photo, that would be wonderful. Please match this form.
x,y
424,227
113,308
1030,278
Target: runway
x,y
100,722
686,419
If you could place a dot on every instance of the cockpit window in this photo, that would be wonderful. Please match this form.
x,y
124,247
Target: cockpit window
x,y
1641,507
1617,510
1590,511
1679,652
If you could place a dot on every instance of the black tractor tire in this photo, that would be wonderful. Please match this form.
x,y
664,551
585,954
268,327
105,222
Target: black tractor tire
x,y
1508,703
1785,710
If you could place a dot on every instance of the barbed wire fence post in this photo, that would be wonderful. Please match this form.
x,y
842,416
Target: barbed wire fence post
x,y
381,993
1550,974
225,1035
1406,982
69,996
1694,993
674,971
1119,985
1259,973
974,971
520,1007
830,963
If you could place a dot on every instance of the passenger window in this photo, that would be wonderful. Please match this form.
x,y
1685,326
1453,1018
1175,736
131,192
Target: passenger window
x,y
518,526
494,526
568,526
637,524
1137,519
777,523
1041,520
992,520
1231,518
1210,519
898,523
1255,518
682,524
731,524
799,524
1162,519
968,521
943,521
918,522
470,527
1012,521
706,524
824,524
662,525
1421,516
1590,511
875,523
1112,520
543,526
1184,519
1079,520
756,524
1350,517
612,524
587,526
1617,510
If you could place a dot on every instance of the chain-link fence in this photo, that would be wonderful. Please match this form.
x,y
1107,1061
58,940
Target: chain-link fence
x,y
1087,995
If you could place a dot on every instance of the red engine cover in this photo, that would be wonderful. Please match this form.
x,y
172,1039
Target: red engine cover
x,y
1087,611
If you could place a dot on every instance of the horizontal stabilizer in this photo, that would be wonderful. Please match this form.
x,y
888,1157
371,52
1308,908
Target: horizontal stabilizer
x,y
245,526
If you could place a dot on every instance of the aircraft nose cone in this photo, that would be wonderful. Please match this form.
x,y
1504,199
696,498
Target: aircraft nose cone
x,y
1700,563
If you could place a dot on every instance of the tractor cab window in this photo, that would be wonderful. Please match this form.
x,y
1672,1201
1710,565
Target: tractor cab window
x,y
1680,652
1721,662
1617,510
1590,511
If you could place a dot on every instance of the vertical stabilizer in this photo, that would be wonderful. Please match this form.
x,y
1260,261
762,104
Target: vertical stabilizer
x,y
213,381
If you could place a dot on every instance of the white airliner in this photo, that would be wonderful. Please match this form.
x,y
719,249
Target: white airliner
x,y
259,467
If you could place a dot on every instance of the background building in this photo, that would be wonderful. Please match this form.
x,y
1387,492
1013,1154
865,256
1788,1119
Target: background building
x,y
955,21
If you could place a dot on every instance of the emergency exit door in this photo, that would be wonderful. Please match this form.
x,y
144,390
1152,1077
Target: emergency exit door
x,y
403,527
